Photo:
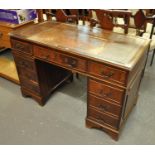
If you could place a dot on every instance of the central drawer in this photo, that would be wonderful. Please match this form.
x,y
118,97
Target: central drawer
x,y
106,91
72,62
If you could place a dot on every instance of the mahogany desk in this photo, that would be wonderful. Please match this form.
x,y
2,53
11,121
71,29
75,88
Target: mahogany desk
x,y
46,54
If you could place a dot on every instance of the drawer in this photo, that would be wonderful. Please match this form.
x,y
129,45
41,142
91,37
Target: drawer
x,y
22,47
72,62
103,105
28,75
24,63
43,53
102,118
107,73
30,86
106,91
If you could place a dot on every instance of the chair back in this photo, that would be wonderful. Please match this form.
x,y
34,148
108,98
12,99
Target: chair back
x,y
61,16
108,18
140,20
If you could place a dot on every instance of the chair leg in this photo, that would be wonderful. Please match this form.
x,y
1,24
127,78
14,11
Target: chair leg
x,y
152,57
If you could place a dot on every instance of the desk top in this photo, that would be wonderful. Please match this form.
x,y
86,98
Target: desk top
x,y
100,45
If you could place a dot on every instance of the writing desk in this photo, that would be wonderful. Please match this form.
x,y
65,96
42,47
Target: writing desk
x,y
47,54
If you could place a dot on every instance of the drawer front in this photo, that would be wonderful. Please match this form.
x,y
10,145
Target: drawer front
x,y
45,54
105,91
24,63
72,62
103,105
28,75
102,118
22,47
107,73
30,86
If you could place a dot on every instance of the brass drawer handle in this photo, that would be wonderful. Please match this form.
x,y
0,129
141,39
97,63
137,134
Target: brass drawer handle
x,y
103,107
100,119
107,75
46,57
105,94
19,46
70,62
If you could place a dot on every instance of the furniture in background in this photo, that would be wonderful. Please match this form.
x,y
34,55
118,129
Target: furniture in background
x,y
6,28
107,19
113,63
144,26
40,15
150,34
8,68
77,16
152,37
60,15
140,24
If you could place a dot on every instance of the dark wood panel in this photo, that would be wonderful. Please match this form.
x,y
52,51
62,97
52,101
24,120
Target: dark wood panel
x,y
51,76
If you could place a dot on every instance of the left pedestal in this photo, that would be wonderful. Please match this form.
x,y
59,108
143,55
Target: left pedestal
x,y
7,64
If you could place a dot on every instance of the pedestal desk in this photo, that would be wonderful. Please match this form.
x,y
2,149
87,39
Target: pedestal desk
x,y
47,54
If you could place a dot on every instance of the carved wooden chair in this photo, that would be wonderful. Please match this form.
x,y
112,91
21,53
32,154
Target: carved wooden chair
x,y
137,24
107,19
61,16
82,14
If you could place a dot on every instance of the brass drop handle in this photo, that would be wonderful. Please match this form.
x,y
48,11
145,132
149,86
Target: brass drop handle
x,y
47,56
107,75
19,46
105,94
70,62
100,119
103,107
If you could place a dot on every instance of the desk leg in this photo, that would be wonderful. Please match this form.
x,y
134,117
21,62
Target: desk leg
x,y
112,133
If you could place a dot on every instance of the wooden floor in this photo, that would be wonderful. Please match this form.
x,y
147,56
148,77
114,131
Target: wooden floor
x,y
7,67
